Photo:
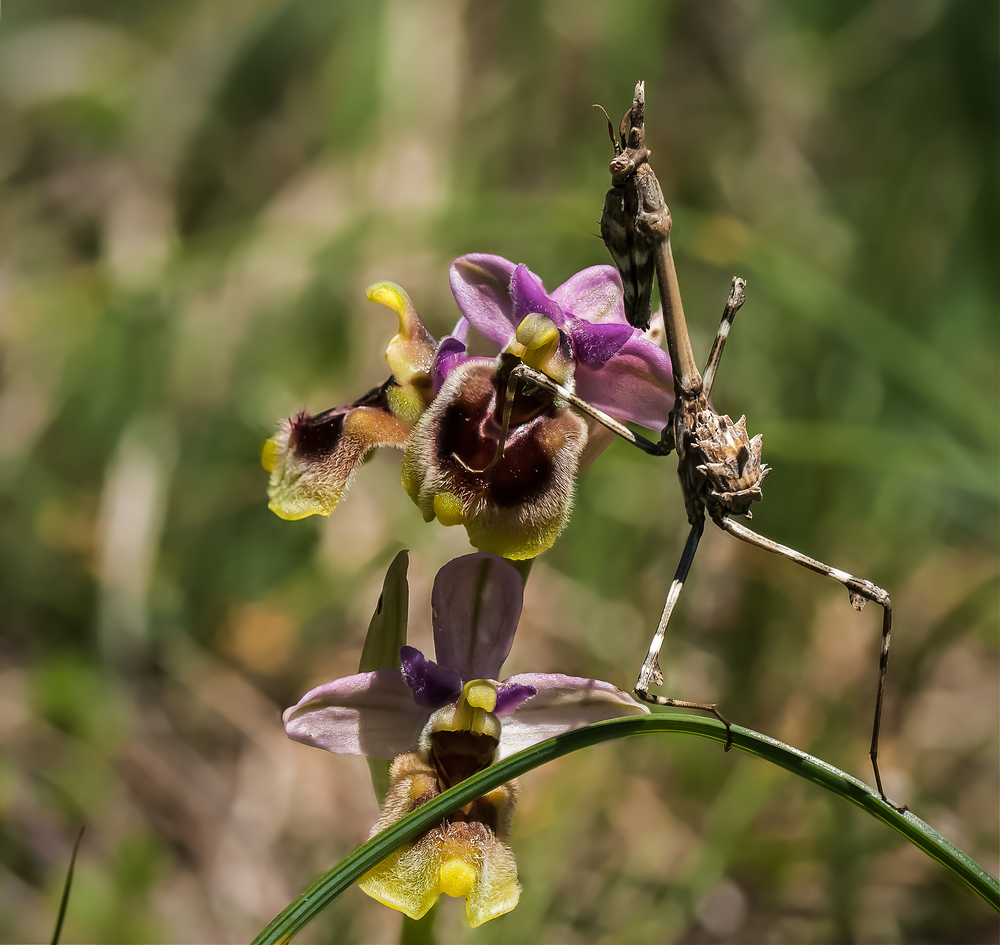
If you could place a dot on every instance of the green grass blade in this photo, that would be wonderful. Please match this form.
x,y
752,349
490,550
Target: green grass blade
x,y
333,883
67,886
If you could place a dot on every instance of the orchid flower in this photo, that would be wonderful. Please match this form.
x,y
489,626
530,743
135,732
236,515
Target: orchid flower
x,y
511,487
515,500
617,368
312,459
442,722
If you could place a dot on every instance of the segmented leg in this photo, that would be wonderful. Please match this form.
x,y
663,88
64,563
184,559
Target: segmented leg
x,y
860,591
733,305
650,674
529,376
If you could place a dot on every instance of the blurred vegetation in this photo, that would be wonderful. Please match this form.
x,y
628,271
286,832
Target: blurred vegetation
x,y
193,196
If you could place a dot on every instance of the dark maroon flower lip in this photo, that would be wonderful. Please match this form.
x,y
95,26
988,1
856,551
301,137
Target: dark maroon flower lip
x,y
513,503
312,458
466,434
315,437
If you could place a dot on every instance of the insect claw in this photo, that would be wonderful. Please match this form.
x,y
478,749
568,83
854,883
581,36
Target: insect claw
x,y
480,472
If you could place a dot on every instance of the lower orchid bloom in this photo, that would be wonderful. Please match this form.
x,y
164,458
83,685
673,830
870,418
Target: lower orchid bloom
x,y
444,721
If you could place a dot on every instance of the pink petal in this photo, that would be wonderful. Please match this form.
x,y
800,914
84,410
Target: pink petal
x,y
636,384
432,685
450,352
563,703
528,295
594,294
595,345
475,605
480,283
366,714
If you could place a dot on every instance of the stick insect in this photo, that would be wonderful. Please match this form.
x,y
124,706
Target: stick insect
x,y
719,465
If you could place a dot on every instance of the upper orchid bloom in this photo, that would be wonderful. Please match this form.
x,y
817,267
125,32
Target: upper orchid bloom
x,y
444,721
511,484
312,458
617,368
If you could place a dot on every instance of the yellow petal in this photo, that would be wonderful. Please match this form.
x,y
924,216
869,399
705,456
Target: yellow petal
x,y
448,509
455,878
410,353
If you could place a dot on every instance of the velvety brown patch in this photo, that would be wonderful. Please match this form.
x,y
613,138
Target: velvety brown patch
x,y
459,755
468,434
315,437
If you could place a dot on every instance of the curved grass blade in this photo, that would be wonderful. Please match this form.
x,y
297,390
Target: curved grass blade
x,y
921,835
67,886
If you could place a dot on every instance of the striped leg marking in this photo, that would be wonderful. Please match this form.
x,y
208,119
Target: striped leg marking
x,y
861,591
650,673
733,305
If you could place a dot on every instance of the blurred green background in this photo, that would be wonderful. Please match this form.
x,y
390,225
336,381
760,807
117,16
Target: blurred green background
x,y
193,196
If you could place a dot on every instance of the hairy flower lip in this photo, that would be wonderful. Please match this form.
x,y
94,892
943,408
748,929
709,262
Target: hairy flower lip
x,y
466,854
312,459
514,504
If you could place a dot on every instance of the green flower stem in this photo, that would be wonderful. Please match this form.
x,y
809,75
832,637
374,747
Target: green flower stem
x,y
333,883
419,931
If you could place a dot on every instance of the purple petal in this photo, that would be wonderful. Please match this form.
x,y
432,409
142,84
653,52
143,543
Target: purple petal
x,y
476,604
563,703
594,294
431,685
449,353
480,283
367,714
461,330
529,295
636,384
510,696
595,345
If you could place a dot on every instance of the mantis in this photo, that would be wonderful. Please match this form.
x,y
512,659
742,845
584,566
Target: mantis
x,y
718,463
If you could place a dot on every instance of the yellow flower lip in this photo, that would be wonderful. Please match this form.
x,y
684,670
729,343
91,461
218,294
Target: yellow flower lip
x,y
269,455
456,877
448,509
